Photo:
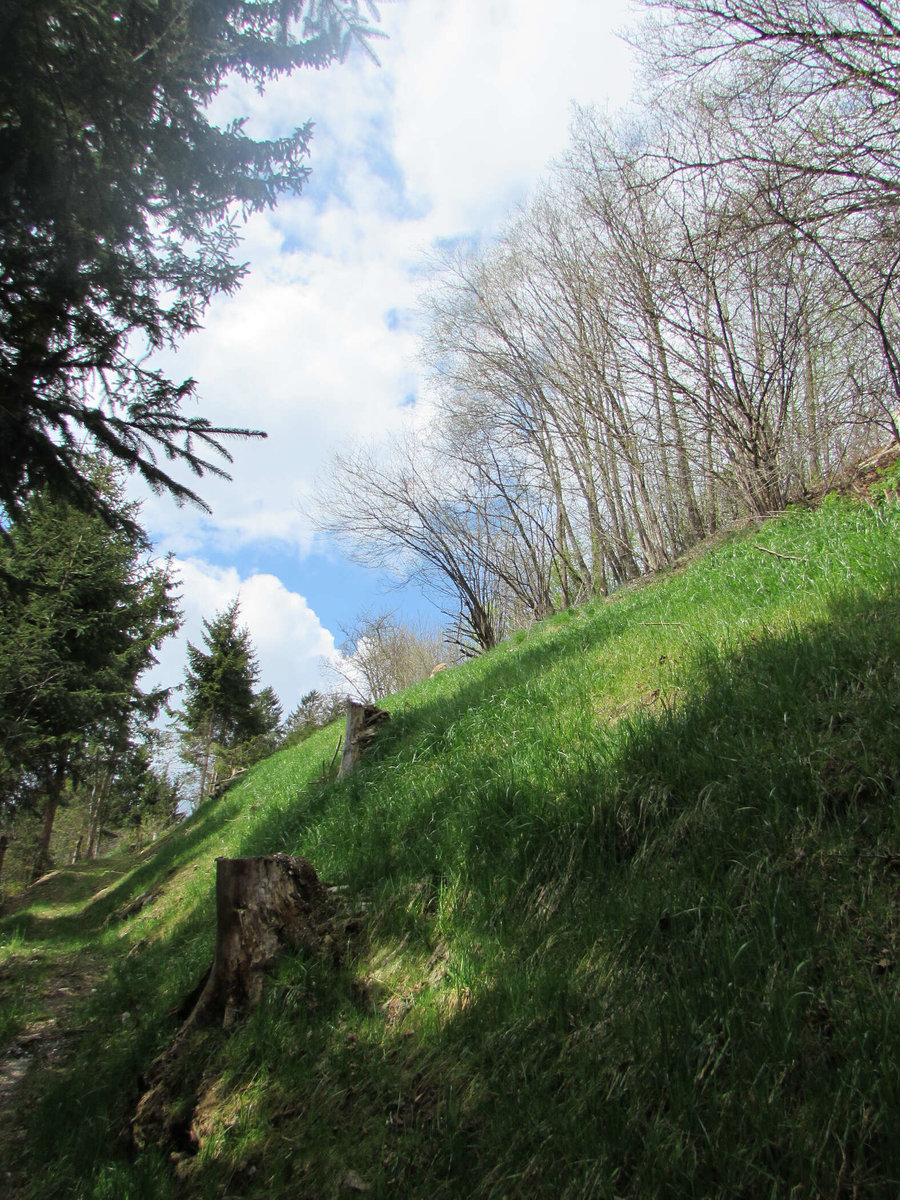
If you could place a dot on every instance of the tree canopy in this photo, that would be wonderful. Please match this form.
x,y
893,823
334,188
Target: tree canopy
x,y
790,108
119,197
695,321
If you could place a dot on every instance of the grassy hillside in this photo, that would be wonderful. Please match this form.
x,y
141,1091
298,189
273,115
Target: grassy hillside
x,y
631,889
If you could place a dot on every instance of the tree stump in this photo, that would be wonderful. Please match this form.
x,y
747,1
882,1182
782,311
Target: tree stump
x,y
362,725
262,905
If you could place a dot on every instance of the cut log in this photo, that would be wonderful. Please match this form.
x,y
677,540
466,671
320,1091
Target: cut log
x,y
362,725
220,786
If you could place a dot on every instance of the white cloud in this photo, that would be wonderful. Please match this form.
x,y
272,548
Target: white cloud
x,y
289,638
483,96
471,102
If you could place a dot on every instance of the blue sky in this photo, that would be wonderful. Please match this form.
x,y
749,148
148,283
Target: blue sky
x,y
439,144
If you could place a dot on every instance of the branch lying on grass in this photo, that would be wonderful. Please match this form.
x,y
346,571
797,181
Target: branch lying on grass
x,y
878,456
327,769
778,554
680,624
337,751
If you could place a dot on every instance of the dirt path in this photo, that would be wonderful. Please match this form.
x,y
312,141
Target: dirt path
x,y
44,985
39,1052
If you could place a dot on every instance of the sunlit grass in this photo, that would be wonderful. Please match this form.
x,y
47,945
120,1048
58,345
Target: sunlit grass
x,y
629,886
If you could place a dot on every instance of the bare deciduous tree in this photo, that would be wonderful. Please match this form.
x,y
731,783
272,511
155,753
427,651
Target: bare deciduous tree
x,y
382,654
400,509
695,319
801,104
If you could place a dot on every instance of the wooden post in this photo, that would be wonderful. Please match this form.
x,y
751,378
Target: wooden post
x,y
362,725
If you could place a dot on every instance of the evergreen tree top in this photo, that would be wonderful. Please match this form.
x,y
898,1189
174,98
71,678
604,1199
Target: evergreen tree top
x,y
82,613
118,205
220,695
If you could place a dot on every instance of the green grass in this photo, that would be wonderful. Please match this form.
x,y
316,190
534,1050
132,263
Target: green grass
x,y
631,885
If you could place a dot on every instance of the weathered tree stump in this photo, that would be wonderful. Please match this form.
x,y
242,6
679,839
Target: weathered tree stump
x,y
262,905
362,725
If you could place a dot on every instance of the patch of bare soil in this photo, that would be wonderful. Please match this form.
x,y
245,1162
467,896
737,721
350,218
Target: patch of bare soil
x,y
867,472
39,1052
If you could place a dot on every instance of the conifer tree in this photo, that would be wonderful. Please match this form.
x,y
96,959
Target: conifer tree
x,y
314,711
119,201
82,612
223,712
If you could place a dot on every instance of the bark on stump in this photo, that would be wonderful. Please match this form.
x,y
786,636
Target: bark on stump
x,y
262,905
362,725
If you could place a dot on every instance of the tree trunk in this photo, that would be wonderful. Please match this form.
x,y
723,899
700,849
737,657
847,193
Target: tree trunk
x,y
362,724
54,791
98,813
207,756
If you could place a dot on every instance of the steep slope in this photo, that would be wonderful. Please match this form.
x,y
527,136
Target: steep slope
x,y
629,897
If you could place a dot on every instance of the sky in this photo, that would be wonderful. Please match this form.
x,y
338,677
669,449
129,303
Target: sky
x,y
471,102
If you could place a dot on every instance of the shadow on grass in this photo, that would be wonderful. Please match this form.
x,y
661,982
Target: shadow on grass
x,y
679,978
691,989
420,732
